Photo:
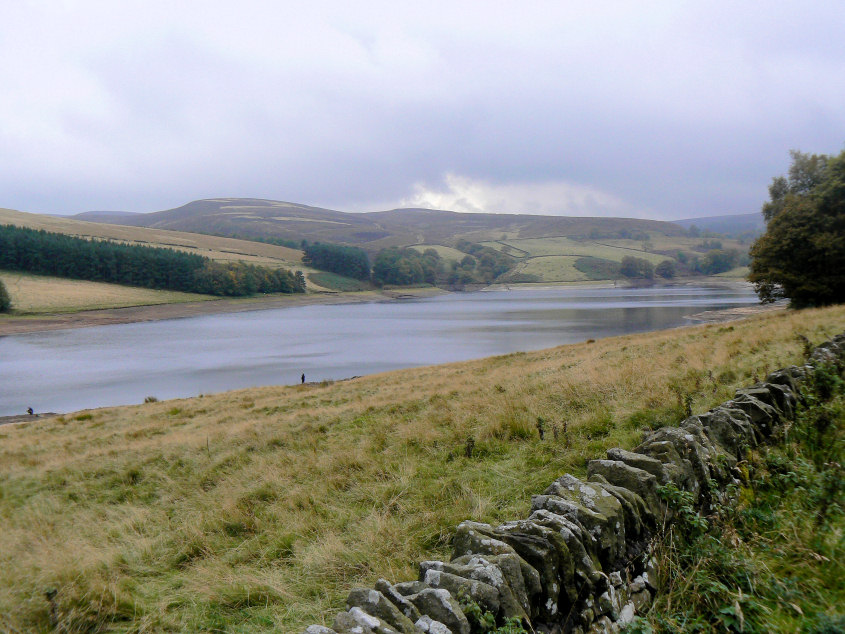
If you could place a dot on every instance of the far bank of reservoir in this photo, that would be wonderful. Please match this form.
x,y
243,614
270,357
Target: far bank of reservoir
x,y
66,370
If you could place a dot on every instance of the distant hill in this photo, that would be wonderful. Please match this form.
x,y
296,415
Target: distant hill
x,y
257,218
728,225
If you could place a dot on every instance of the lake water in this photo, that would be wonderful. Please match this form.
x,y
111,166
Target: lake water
x,y
67,370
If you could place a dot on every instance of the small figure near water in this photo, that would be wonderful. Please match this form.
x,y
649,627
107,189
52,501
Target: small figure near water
x,y
29,411
303,378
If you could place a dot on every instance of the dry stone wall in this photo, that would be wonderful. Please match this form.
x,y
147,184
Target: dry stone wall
x,y
579,562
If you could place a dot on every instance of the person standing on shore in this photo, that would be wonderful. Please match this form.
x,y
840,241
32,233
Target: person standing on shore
x,y
303,378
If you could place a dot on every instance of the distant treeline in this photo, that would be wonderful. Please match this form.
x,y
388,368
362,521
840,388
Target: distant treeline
x,y
45,253
335,258
403,267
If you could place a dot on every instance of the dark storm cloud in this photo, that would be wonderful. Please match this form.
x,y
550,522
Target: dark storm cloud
x,y
561,108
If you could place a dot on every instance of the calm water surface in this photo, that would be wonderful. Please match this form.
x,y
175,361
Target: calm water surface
x,y
68,370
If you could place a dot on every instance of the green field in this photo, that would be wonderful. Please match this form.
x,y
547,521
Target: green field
x,y
259,509
334,282
551,268
551,259
447,254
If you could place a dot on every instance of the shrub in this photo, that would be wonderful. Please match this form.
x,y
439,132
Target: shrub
x,y
5,300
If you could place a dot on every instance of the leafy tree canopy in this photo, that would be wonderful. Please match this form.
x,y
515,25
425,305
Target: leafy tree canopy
x,y
801,256
636,268
666,269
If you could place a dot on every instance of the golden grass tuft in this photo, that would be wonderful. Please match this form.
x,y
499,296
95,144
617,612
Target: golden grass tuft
x,y
261,508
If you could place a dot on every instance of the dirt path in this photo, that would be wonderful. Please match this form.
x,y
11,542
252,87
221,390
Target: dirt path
x,y
15,325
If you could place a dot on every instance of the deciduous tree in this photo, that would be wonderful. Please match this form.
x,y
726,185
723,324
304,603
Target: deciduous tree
x,y
801,256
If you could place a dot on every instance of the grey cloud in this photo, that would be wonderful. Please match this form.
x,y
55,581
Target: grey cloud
x,y
675,111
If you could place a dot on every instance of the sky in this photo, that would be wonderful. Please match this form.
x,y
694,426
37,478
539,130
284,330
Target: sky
x,y
662,110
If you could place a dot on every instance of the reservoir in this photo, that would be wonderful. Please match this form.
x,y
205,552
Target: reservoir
x,y
67,370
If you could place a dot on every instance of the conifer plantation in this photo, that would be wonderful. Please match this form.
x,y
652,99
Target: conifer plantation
x,y
45,253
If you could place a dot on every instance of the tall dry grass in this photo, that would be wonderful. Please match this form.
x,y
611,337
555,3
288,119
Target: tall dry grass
x,y
260,508
39,294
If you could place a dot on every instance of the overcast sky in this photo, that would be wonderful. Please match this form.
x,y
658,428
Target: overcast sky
x,y
646,109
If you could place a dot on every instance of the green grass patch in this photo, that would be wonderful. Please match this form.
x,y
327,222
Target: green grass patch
x,y
335,282
598,268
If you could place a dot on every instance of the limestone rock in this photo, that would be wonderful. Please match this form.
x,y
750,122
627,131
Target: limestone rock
x,y
546,552
575,536
430,626
474,538
638,517
598,500
640,461
319,629
764,417
485,595
504,573
637,480
439,605
604,540
787,377
678,469
376,604
626,615
407,588
398,599
641,600
356,621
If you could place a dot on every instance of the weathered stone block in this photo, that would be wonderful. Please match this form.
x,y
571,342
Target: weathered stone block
x,y
640,482
474,538
485,595
545,550
586,568
430,626
504,573
396,598
376,604
356,621
640,461
439,604
599,501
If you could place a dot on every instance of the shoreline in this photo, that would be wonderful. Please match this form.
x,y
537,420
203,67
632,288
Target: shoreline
x,y
24,324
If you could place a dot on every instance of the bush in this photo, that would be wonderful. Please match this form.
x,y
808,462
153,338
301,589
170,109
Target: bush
x,y
666,269
5,300
636,268
597,268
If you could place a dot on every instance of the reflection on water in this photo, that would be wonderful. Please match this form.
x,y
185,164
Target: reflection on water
x,y
119,364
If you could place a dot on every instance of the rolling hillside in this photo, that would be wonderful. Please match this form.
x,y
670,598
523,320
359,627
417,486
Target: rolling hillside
x,y
541,248
254,218
734,225
214,247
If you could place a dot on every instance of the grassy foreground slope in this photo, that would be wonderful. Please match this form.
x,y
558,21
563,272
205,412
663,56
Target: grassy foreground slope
x,y
261,508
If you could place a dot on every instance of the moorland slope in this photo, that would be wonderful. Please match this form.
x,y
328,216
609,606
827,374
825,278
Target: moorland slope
x,y
260,508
